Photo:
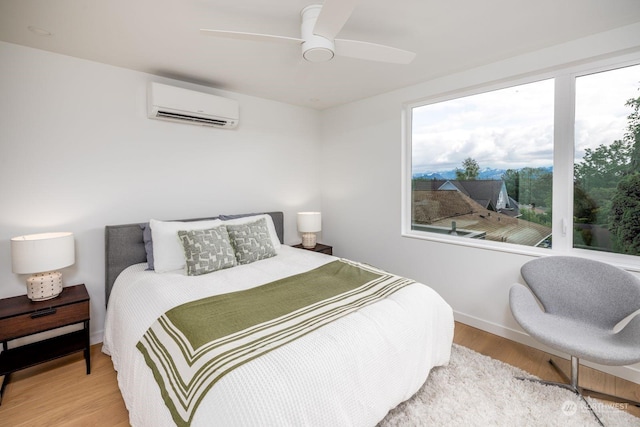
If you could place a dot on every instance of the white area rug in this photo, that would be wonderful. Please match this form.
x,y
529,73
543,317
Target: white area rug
x,y
476,390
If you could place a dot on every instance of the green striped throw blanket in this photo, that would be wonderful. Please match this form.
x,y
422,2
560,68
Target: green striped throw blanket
x,y
192,346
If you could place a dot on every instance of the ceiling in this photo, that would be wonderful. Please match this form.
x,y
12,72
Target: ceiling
x,y
162,37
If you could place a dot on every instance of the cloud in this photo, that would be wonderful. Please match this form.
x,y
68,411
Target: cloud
x,y
514,127
499,129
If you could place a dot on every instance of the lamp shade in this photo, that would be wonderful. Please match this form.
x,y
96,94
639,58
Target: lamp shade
x,y
309,222
37,253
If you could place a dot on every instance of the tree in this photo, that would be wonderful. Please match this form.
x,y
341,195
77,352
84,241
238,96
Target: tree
x,y
625,203
597,176
529,186
625,216
599,173
604,166
585,211
470,170
633,133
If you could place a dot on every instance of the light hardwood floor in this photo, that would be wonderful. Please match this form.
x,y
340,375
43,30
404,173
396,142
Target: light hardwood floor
x,y
59,393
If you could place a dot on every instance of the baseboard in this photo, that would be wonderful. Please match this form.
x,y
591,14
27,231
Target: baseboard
x,y
630,373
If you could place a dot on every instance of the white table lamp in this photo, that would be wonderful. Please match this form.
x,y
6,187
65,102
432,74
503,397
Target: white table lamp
x,y
40,255
309,223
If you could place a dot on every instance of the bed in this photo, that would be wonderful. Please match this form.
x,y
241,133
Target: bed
x,y
349,371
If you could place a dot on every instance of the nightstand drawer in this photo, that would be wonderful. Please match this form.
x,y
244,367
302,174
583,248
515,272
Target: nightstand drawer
x,y
43,320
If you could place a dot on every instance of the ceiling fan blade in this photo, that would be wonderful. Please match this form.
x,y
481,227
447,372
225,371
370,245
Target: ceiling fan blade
x,y
333,16
251,36
373,52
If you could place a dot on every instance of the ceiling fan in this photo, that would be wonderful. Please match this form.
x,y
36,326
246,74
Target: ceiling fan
x,y
320,24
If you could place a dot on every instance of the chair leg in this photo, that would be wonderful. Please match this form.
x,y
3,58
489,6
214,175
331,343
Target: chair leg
x,y
590,392
572,383
575,372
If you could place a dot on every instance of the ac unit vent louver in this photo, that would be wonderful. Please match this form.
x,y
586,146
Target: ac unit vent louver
x,y
187,106
185,117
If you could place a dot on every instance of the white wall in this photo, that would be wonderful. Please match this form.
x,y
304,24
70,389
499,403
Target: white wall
x,y
77,152
361,192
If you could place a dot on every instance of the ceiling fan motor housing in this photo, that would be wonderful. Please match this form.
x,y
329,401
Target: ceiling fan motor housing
x,y
314,48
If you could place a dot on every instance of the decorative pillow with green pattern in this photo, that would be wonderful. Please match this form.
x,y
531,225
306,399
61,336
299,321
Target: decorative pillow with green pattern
x,y
251,241
206,251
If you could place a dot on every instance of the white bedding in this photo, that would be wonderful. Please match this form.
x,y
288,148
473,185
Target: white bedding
x,y
348,373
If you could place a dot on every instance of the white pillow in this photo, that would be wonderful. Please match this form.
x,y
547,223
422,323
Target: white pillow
x,y
168,254
272,228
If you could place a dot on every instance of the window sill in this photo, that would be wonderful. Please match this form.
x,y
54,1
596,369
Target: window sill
x,y
625,262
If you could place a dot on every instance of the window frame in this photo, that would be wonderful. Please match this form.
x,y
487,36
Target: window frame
x,y
563,162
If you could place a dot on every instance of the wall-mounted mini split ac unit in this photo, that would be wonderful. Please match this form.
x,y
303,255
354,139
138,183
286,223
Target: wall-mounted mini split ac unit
x,y
187,106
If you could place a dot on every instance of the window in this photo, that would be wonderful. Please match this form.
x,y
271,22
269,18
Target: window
x,y
606,198
482,165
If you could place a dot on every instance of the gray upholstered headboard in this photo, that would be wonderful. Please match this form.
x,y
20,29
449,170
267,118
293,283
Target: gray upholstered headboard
x,y
124,247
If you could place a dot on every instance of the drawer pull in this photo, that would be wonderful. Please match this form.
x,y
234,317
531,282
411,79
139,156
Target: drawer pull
x,y
42,313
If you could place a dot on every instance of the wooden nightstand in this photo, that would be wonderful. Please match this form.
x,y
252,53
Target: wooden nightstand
x,y
324,249
21,317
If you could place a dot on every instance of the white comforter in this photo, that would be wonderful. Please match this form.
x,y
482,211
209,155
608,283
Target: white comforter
x,y
348,373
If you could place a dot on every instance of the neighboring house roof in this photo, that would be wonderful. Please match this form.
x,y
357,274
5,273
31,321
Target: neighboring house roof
x,y
485,192
432,206
440,208
429,184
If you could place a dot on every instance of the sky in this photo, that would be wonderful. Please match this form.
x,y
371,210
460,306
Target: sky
x,y
513,127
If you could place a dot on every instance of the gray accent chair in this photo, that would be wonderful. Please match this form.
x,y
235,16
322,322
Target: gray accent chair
x,y
575,305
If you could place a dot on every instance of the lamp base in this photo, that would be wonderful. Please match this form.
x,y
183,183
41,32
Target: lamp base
x,y
44,286
308,240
